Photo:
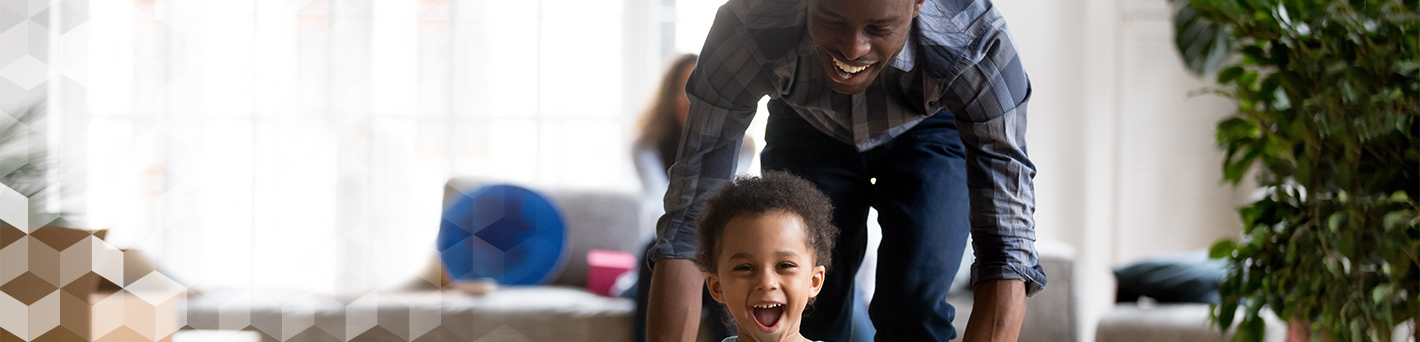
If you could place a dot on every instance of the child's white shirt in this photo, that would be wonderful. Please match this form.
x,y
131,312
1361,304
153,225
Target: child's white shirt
x,y
735,339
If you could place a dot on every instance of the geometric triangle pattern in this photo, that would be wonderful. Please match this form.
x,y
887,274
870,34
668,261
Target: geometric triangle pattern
x,y
537,313
49,291
50,275
49,281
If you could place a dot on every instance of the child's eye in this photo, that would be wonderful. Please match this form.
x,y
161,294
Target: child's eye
x,y
741,268
785,265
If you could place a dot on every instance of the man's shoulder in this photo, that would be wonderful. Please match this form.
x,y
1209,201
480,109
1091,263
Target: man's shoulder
x,y
765,11
947,32
781,13
774,29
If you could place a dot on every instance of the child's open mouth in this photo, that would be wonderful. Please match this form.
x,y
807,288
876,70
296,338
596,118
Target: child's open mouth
x,y
767,315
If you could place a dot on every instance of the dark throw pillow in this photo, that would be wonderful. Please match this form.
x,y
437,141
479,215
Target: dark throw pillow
x,y
1192,279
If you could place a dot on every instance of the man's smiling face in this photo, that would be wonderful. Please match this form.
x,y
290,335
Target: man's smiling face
x,y
855,39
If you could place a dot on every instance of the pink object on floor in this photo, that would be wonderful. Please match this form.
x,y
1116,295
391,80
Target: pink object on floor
x,y
603,267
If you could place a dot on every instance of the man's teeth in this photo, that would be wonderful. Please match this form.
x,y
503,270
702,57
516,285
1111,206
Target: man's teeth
x,y
848,68
767,306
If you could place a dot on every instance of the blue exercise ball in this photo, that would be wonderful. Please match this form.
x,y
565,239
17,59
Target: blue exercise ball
x,y
503,232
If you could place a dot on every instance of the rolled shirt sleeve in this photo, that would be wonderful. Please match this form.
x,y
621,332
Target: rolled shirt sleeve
x,y
987,93
724,91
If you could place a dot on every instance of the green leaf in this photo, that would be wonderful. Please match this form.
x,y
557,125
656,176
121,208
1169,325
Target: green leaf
x,y
1234,170
1268,91
1279,51
1203,43
1274,146
1247,80
1226,312
1327,104
1393,94
1236,131
1249,214
1255,52
1379,293
1400,196
1222,249
1251,330
1395,219
1406,67
1229,74
1335,221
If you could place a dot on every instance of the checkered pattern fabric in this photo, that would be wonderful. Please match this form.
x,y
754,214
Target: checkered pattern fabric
x,y
959,57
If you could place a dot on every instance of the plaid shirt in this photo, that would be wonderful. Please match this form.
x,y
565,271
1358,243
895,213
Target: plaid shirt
x,y
959,57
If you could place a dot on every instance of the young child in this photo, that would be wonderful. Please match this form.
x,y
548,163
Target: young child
x,y
764,245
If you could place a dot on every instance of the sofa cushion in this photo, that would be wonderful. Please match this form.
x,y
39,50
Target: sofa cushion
x,y
532,313
1130,322
1187,278
1050,313
595,219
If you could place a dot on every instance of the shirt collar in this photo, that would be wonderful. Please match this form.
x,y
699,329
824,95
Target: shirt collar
x,y
907,58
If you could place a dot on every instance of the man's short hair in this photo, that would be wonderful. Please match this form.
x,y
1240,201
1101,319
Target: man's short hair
x,y
774,192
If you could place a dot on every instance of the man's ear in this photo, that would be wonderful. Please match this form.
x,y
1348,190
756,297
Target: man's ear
x,y
917,8
712,283
817,282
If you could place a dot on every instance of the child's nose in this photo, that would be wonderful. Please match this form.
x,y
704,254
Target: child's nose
x,y
767,282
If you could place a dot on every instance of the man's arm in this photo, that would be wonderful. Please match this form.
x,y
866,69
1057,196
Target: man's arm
x,y
988,93
999,310
724,91
675,301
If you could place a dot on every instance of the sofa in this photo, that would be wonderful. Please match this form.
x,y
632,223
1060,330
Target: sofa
x,y
1172,322
561,311
1051,314
1163,298
432,311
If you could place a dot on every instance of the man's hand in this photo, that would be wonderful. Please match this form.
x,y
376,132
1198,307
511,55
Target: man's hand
x,y
673,313
999,308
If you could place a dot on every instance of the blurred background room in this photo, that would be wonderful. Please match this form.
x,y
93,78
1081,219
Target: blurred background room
x,y
280,170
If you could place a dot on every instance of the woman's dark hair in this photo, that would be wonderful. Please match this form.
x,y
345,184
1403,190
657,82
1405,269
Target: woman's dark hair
x,y
774,192
658,125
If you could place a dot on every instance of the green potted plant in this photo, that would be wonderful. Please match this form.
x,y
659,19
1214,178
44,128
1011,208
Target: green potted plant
x,y
1328,96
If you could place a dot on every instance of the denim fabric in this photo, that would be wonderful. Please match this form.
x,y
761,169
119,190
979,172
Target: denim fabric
x,y
917,183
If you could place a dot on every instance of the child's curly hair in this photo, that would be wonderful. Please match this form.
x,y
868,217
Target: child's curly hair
x,y
771,193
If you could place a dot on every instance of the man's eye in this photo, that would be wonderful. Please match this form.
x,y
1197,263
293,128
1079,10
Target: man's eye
x,y
879,30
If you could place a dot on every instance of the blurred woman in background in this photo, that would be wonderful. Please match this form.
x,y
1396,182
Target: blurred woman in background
x,y
654,150
660,126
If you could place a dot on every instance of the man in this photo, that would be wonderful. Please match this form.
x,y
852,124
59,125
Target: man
x,y
872,101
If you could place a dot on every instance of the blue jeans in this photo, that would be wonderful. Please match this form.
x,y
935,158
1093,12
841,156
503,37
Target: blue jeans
x,y
920,194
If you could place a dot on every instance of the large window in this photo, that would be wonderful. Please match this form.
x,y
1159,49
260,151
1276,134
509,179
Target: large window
x,y
305,143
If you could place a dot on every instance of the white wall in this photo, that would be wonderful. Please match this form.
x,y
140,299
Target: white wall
x,y
1127,164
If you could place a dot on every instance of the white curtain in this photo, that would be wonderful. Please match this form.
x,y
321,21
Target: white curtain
x,y
304,144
